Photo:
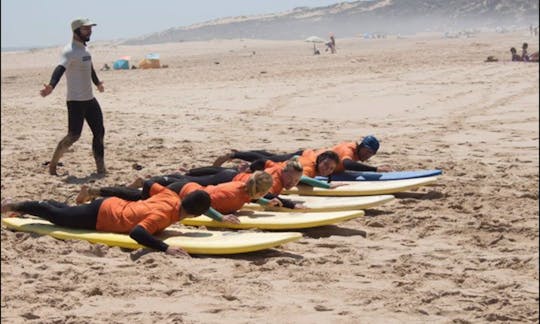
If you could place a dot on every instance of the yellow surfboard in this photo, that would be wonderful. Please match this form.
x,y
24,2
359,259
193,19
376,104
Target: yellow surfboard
x,y
317,204
277,220
363,188
193,241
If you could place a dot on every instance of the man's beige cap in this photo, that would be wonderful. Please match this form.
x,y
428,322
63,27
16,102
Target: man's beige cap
x,y
77,23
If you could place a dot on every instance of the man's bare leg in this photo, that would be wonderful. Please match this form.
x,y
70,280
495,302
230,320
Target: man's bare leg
x,y
61,148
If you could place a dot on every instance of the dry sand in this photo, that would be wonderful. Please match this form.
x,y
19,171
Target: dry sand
x,y
464,250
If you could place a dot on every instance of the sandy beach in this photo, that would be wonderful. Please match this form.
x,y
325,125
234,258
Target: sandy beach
x,y
464,250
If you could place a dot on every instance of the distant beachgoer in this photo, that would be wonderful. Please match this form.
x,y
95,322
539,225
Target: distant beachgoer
x,y
81,103
105,67
533,57
331,45
140,219
515,56
524,55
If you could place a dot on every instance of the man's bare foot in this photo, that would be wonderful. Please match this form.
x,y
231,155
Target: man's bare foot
x,y
137,183
83,196
222,159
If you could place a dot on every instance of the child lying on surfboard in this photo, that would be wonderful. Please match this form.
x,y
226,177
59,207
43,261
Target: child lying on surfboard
x,y
140,219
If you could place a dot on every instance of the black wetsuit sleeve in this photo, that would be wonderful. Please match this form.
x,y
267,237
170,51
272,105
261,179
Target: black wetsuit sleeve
x,y
56,75
257,165
94,77
357,166
143,237
285,202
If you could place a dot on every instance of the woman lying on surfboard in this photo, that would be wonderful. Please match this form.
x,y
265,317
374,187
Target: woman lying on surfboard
x,y
140,219
313,164
285,175
349,153
225,198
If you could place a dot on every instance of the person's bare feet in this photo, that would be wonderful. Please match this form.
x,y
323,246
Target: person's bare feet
x,y
83,196
137,183
7,208
222,159
243,166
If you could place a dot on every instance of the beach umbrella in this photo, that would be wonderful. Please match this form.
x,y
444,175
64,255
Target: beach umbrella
x,y
314,40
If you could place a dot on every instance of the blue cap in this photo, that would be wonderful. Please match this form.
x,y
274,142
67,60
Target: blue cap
x,y
371,143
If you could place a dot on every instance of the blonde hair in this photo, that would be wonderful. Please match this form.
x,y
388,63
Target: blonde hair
x,y
259,182
293,165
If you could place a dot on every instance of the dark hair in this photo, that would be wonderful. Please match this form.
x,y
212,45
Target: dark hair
x,y
525,45
196,203
513,50
326,155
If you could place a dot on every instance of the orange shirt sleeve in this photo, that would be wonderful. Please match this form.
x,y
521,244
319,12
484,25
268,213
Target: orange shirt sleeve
x,y
155,223
308,161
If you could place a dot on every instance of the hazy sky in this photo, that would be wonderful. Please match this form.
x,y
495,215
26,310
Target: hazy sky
x,y
40,23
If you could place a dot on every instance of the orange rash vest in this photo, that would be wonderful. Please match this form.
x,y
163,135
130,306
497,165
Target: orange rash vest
x,y
153,214
275,169
226,198
308,160
345,150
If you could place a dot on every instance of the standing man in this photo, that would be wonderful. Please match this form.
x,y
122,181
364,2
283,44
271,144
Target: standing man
x,y
81,104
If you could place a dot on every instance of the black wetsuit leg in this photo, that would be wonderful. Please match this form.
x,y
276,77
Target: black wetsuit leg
x,y
131,194
256,155
208,170
223,176
94,118
81,216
